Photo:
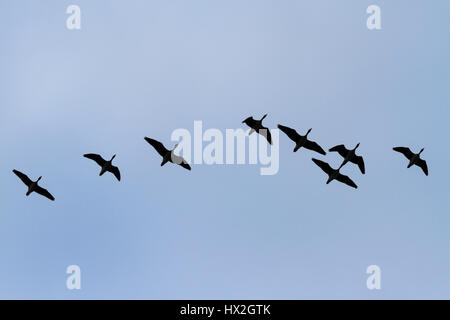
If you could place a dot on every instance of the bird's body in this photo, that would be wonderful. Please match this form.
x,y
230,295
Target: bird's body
x,y
167,155
106,166
334,174
301,141
414,158
350,155
33,186
256,126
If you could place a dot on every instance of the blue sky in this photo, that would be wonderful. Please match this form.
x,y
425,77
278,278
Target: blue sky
x,y
146,68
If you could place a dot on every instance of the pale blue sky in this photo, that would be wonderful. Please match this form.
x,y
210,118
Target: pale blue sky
x,y
145,68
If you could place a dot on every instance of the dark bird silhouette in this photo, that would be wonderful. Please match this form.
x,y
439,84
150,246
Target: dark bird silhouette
x,y
350,155
106,166
413,158
334,174
33,185
301,141
256,125
168,155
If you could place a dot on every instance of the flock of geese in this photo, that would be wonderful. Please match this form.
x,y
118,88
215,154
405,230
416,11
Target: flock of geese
x,y
301,141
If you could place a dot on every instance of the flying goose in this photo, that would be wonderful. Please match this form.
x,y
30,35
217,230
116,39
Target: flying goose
x,y
106,165
168,155
334,174
301,141
256,125
33,185
350,155
413,158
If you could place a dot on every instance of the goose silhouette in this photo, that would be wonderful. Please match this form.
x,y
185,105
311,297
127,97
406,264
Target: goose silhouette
x,y
256,126
334,174
301,141
106,166
414,159
167,155
350,155
33,185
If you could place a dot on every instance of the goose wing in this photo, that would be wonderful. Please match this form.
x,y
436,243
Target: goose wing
x,y
185,165
252,123
423,164
180,161
265,132
291,133
23,177
115,171
360,162
159,147
323,165
405,151
44,192
341,149
311,145
96,157
344,179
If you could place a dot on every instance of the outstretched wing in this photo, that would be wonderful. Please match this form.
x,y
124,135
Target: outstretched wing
x,y
405,151
44,192
311,145
323,165
265,132
423,164
360,162
344,179
96,157
159,147
341,149
180,161
115,171
185,165
23,177
291,133
250,122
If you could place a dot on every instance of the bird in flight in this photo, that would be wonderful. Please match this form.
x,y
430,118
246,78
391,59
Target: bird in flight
x,y
334,174
301,141
256,126
413,158
33,185
106,166
350,155
167,155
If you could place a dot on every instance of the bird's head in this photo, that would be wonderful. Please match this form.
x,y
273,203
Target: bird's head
x,y
39,179
113,157
357,146
421,150
309,130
